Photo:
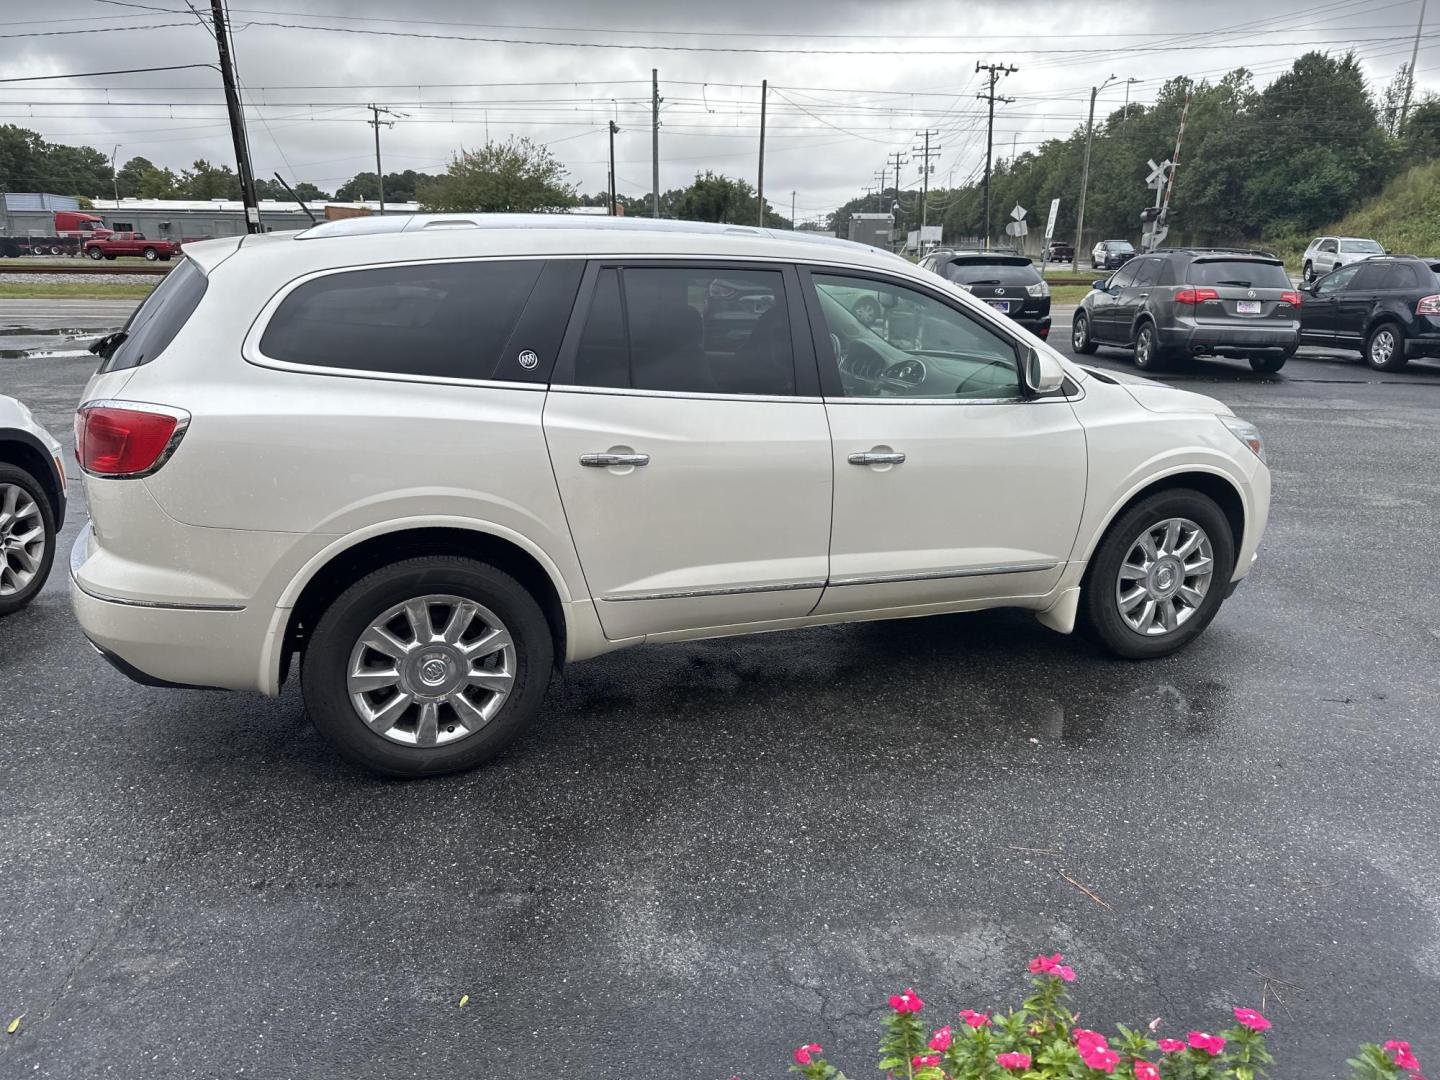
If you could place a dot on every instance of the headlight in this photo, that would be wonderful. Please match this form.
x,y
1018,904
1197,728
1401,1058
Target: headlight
x,y
1247,433
1040,288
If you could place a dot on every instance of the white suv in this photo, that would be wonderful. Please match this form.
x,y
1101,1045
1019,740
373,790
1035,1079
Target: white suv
x,y
32,504
436,457
1327,253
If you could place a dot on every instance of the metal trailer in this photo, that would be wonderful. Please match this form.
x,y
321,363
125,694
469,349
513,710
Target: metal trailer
x,y
877,230
27,224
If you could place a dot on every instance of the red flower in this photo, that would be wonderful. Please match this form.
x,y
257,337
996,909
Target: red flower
x,y
1170,1046
1013,1061
1146,1070
974,1019
1084,1037
941,1039
802,1053
1251,1019
1095,1050
920,1061
1211,1044
908,1002
1051,965
1403,1057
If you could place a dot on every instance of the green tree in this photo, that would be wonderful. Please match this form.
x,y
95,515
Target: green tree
x,y
205,181
518,176
714,197
399,187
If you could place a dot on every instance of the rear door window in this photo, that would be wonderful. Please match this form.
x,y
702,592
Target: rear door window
x,y
1238,273
1374,277
447,320
155,323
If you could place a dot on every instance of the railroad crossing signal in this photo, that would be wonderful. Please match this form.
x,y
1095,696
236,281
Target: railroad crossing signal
x,y
1158,174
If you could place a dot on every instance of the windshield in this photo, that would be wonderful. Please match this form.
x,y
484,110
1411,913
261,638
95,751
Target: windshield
x,y
1119,245
1007,272
1364,247
1242,273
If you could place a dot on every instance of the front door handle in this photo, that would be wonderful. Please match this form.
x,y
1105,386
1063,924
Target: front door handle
x,y
608,460
875,457
1144,296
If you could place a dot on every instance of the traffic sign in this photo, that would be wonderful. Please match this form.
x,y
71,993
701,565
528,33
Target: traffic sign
x,y
1050,222
1019,212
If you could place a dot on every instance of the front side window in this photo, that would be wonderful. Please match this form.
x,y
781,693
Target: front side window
x,y
1333,283
917,347
1147,271
698,330
448,320
1329,246
1123,278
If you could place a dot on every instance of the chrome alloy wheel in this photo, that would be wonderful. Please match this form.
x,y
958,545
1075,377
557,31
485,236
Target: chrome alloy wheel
x,y
431,671
1382,347
22,539
1165,576
1079,333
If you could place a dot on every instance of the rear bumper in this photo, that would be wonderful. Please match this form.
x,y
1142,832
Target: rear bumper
x,y
1424,345
1228,341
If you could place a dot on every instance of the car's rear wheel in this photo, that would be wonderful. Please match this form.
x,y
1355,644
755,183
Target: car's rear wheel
x,y
27,538
428,666
1385,348
1080,335
1268,365
1159,575
1149,356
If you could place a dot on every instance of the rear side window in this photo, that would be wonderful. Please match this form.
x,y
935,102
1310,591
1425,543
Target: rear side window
x,y
156,322
446,320
1381,276
1007,272
1240,273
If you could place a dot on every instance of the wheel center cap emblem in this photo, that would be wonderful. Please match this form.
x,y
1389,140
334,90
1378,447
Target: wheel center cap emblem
x,y
1164,577
434,671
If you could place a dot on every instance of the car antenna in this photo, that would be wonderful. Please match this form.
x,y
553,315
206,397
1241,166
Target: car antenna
x,y
297,199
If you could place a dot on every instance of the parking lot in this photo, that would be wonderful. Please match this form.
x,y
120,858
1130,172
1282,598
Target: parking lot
x,y
706,854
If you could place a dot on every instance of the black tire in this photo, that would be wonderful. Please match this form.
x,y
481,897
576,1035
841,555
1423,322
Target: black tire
x,y
150,254
1080,339
1099,613
1307,273
96,254
1381,357
13,474
1149,356
1268,365
323,674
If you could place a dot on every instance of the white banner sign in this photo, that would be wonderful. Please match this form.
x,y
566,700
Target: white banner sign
x,y
1050,223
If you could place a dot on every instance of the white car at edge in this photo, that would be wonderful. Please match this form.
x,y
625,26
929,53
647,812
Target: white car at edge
x,y
431,459
32,504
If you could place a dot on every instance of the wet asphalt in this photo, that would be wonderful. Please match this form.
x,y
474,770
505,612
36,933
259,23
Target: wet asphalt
x,y
706,854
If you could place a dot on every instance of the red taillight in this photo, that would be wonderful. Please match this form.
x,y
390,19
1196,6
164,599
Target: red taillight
x,y
1428,305
1195,296
126,438
1292,298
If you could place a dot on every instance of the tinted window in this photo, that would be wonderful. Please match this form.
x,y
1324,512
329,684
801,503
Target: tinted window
x,y
442,319
156,322
916,347
1241,273
688,329
1124,277
1146,271
1374,277
1333,283
996,272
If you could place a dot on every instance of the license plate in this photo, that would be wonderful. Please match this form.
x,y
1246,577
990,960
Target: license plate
x,y
1247,307
1000,305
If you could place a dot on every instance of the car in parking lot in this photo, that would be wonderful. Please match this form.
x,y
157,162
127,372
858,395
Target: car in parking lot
x,y
1059,251
319,447
1007,282
1184,302
1111,254
1386,308
1326,253
32,504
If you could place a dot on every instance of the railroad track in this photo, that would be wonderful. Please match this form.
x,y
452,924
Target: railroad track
x,y
85,266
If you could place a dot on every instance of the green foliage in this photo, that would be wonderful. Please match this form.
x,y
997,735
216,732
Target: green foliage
x,y
516,176
714,197
399,187
29,163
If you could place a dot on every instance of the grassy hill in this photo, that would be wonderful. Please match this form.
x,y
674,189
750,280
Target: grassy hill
x,y
1405,217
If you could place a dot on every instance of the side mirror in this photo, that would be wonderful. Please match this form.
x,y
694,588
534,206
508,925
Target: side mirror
x,y
1043,373
1098,284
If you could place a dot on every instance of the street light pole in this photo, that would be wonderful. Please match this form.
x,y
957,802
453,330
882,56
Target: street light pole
x,y
614,127
1085,175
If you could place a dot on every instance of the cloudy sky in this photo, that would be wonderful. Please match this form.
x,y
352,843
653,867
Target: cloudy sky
x,y
851,80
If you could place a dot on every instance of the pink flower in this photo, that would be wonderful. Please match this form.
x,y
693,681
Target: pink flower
x,y
920,1061
1154,1025
908,1002
1013,1061
1251,1019
941,1039
1146,1070
1095,1050
802,1053
974,1019
1051,965
1170,1046
1084,1037
1403,1057
1211,1044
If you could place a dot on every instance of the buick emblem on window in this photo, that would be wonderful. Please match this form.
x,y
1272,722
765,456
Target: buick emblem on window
x,y
528,359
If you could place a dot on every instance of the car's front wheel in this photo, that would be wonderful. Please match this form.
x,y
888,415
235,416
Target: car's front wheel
x,y
1385,348
27,538
1307,273
428,666
1080,339
1159,575
96,254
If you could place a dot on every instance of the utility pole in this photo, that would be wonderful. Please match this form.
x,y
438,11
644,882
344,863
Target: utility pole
x,y
995,71
880,191
1414,57
1085,175
654,143
898,161
1125,118
376,122
115,180
792,211
614,127
243,168
926,152
760,180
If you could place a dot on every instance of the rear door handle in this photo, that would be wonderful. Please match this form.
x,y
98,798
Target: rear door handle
x,y
607,460
874,457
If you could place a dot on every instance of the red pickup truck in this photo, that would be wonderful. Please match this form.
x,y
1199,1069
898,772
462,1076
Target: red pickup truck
x,y
131,243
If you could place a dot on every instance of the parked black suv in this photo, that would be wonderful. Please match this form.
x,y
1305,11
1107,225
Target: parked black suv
x,y
1194,302
1387,308
1006,281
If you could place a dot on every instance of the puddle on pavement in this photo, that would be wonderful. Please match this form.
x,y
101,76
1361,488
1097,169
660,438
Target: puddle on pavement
x,y
37,343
